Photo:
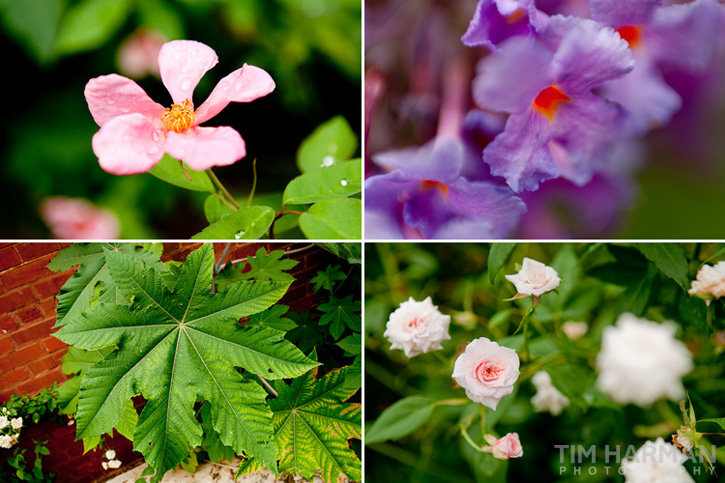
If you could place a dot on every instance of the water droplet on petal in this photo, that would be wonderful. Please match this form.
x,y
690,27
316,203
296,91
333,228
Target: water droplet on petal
x,y
110,100
185,85
123,109
238,86
343,182
155,136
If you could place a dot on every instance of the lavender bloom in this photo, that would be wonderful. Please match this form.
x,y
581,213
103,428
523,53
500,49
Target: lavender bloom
x,y
425,197
497,20
678,35
557,126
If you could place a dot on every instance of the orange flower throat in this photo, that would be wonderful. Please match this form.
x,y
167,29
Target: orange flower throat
x,y
631,33
179,117
548,101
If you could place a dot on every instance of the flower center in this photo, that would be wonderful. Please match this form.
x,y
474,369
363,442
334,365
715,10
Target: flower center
x,y
178,117
630,33
427,184
515,16
488,371
548,101
415,323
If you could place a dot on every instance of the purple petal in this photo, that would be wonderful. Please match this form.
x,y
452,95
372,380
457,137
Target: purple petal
x,y
495,205
497,20
685,35
588,55
520,153
617,13
509,80
438,160
384,198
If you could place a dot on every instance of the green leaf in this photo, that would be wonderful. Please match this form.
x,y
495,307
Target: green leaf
x,y
313,424
92,283
326,279
338,218
719,421
169,170
330,143
670,259
401,419
272,317
77,360
352,252
497,256
249,223
339,180
269,266
89,24
214,209
339,313
32,22
175,347
352,344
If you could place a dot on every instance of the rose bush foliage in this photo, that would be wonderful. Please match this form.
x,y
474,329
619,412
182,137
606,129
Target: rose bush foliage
x,y
617,352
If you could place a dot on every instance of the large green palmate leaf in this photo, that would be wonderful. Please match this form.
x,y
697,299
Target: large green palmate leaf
x,y
177,347
313,424
92,282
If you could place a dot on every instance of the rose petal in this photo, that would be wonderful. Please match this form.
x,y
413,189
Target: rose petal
x,y
242,85
128,144
113,95
204,147
182,63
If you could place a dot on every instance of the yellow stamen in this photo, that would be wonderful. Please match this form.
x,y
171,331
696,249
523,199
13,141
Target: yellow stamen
x,y
179,117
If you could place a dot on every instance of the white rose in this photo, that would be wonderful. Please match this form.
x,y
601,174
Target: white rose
x,y
658,461
574,330
547,397
486,371
417,327
710,281
5,441
110,454
114,464
16,423
535,278
641,361
4,421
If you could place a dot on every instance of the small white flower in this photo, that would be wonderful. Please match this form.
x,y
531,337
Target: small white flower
x,y
114,464
105,465
486,371
5,441
16,423
710,281
686,438
504,448
547,397
658,461
641,361
574,330
4,421
417,327
535,278
110,454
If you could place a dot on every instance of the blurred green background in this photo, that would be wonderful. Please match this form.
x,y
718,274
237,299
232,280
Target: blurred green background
x,y
53,47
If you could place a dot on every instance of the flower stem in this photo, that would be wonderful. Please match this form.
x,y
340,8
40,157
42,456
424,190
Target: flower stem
x,y
254,182
222,188
469,440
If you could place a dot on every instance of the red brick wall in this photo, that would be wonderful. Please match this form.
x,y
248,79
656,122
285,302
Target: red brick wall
x,y
30,355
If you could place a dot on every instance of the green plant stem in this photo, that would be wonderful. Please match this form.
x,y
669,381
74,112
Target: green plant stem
x,y
254,182
470,441
525,324
452,402
222,188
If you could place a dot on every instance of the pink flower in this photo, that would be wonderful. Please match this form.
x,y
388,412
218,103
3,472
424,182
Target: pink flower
x,y
504,448
136,131
75,219
138,54
486,371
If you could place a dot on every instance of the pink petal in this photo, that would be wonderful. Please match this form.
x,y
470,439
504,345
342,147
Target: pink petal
x,y
204,147
182,63
113,95
242,85
128,144
76,218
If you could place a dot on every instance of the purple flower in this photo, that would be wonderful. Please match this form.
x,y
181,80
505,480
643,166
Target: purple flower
x,y
425,197
497,20
557,126
680,36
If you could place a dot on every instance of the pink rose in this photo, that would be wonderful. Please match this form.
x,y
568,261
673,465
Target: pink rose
x,y
535,278
487,371
504,448
417,327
